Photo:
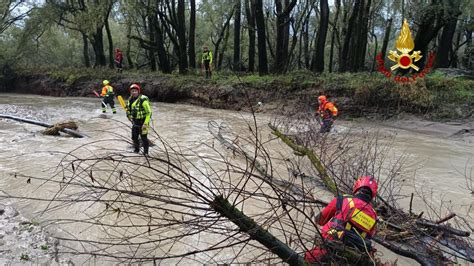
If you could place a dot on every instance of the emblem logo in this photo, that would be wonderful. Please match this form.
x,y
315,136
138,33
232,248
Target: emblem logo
x,y
405,45
406,59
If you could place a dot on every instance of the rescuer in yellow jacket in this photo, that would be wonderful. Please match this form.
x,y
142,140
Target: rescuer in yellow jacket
x,y
139,113
108,95
206,61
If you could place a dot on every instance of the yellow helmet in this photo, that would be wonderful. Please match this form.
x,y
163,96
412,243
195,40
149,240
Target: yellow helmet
x,y
105,82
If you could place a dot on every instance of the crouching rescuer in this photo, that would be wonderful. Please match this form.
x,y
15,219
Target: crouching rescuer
x,y
349,219
139,113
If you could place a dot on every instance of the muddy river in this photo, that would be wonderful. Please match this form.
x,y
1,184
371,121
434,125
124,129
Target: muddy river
x,y
440,156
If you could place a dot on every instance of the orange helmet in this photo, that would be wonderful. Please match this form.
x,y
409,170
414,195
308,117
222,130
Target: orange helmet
x,y
136,87
366,181
322,98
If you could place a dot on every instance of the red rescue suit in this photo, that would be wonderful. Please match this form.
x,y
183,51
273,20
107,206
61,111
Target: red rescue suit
x,y
349,219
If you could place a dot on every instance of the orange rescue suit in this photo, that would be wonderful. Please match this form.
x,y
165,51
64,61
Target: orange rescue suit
x,y
327,109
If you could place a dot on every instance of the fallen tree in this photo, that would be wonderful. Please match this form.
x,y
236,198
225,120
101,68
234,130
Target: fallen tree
x,y
204,204
402,232
68,127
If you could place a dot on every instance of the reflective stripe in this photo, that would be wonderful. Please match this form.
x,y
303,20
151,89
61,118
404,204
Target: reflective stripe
x,y
351,203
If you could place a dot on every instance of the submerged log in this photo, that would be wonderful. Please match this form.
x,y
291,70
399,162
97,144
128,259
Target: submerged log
x,y
39,123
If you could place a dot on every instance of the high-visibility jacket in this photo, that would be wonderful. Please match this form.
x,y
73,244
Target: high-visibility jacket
x,y
327,110
107,90
346,214
139,108
207,56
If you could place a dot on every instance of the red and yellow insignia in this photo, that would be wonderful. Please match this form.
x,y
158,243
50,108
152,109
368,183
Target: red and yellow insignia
x,y
405,45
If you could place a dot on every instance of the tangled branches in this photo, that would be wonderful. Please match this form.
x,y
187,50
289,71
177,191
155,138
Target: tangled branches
x,y
237,197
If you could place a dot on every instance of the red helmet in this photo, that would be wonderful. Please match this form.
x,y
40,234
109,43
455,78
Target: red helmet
x,y
366,181
322,98
135,86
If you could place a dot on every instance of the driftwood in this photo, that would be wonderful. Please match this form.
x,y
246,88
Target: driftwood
x,y
425,241
52,129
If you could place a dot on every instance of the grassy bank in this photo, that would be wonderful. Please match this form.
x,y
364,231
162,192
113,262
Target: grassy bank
x,y
435,97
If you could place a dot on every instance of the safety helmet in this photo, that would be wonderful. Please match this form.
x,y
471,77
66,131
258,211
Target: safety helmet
x,y
322,98
366,181
136,87
105,82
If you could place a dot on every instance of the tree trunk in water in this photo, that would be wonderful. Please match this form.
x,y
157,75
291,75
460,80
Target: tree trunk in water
x,y
111,44
181,31
85,50
192,33
250,13
318,61
344,60
237,10
98,45
386,38
333,35
261,38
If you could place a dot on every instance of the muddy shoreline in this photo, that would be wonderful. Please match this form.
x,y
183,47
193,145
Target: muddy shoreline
x,y
378,101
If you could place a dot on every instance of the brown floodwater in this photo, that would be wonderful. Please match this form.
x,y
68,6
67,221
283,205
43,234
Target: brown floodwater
x,y
439,158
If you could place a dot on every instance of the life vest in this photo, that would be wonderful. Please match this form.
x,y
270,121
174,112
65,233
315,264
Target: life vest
x,y
207,56
354,217
325,107
137,109
107,90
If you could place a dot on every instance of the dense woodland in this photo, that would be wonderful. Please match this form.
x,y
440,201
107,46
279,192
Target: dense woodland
x,y
261,36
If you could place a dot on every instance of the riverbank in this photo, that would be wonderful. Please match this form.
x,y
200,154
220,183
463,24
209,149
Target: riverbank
x,y
24,241
437,97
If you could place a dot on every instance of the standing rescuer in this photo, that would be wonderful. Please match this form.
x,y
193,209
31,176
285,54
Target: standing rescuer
x,y
139,113
206,61
327,113
350,219
108,94
118,58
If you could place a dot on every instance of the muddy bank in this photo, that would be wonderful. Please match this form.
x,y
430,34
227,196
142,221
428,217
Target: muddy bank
x,y
356,95
25,241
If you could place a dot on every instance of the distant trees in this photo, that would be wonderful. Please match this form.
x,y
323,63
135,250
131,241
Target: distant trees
x,y
7,14
268,36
